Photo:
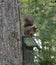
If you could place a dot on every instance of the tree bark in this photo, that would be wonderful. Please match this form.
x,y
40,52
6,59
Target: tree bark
x,y
10,39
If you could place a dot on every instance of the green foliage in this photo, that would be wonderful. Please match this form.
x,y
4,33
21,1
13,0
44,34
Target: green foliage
x,y
45,19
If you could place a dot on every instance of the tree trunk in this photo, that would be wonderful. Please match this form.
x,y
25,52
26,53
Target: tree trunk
x,y
10,39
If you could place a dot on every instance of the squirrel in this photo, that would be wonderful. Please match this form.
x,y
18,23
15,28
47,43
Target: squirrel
x,y
29,28
28,21
29,31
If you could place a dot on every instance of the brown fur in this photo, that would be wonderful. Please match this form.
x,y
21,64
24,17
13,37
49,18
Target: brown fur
x,y
29,28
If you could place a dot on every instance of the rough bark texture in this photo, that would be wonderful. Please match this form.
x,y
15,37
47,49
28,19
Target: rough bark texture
x,y
10,43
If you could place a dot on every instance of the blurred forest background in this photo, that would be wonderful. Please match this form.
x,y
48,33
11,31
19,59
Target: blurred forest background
x,y
44,14
12,13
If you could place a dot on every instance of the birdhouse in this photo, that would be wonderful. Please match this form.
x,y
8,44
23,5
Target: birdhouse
x,y
28,43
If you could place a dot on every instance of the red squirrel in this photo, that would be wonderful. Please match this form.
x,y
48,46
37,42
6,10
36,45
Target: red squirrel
x,y
29,28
